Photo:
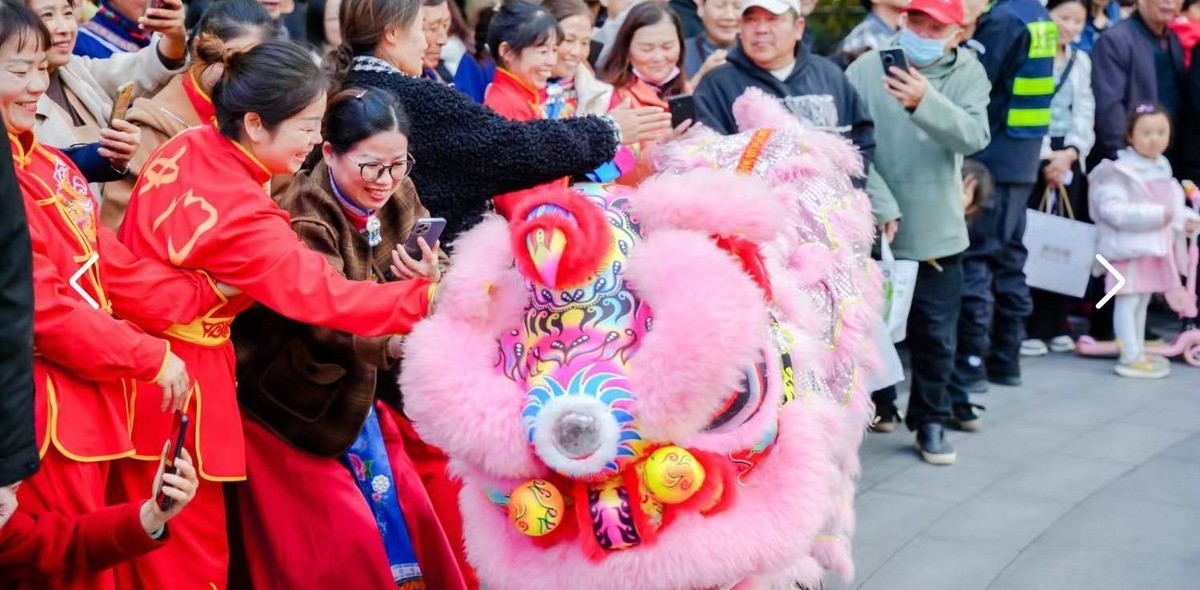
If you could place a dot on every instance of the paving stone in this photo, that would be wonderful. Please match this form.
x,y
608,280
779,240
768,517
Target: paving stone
x,y
932,564
1061,477
887,521
1162,480
1070,568
1128,443
1178,411
1188,450
999,519
1112,522
1015,440
969,476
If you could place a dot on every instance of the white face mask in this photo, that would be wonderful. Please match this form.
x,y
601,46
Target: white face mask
x,y
921,51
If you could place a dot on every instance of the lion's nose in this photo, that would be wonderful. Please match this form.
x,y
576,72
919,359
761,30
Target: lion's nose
x,y
576,434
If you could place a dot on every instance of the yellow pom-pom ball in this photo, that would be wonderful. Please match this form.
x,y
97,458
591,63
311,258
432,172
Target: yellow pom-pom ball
x,y
536,507
673,475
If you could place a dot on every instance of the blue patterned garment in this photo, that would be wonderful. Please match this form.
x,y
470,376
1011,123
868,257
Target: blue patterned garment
x,y
368,462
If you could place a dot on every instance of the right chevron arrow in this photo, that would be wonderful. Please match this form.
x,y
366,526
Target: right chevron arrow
x,y
1117,287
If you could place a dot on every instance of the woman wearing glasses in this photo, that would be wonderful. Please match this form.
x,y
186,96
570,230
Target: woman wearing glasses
x,y
318,404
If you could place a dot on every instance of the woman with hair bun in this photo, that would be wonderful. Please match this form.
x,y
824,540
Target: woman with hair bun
x,y
228,25
320,405
203,203
468,153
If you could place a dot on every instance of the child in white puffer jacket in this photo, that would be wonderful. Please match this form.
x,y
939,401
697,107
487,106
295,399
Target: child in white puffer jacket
x,y
1140,209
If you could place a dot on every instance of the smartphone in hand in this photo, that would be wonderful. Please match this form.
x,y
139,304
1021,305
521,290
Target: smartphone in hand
x,y
170,455
683,108
893,58
430,228
122,101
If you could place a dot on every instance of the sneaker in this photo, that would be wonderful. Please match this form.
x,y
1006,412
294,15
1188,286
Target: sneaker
x,y
980,386
1062,344
1034,347
1158,361
932,446
964,418
1142,369
886,418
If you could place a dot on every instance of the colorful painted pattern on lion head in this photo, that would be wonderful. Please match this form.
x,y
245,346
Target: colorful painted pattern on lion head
x,y
572,352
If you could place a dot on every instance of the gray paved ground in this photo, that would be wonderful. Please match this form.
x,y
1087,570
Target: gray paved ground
x,y
1079,480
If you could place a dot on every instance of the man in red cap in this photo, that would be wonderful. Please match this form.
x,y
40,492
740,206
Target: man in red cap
x,y
927,116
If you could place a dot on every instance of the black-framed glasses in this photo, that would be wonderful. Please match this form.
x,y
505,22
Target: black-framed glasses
x,y
373,171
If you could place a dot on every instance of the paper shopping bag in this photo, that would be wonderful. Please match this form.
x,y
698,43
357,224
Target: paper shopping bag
x,y
1061,249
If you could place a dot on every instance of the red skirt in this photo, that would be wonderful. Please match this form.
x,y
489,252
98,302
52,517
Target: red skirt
x,y
305,524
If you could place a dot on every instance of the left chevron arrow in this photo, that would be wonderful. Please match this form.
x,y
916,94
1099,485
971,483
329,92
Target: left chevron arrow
x,y
79,273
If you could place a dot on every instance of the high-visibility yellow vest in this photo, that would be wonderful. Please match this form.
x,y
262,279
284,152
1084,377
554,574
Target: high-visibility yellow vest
x,y
1029,102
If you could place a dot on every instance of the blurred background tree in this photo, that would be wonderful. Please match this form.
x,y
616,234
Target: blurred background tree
x,y
832,20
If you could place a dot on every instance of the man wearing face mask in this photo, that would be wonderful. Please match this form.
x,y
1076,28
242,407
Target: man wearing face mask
x,y
1016,42
926,119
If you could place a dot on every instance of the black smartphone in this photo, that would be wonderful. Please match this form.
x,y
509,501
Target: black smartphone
x,y
893,58
430,228
170,456
683,108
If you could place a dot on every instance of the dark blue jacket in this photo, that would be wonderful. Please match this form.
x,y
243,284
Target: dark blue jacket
x,y
1124,75
95,168
1002,45
472,79
814,79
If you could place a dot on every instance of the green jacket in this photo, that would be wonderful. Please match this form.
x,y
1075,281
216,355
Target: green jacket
x,y
916,171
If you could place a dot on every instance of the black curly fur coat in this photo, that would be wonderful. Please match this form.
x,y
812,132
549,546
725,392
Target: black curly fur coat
x,y
466,153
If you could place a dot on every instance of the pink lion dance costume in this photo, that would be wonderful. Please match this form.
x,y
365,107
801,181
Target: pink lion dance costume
x,y
660,388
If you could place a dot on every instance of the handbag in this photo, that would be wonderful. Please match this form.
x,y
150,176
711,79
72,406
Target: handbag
x,y
1062,250
899,283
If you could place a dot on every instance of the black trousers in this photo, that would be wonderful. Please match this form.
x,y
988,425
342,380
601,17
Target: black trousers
x,y
932,338
995,297
1049,317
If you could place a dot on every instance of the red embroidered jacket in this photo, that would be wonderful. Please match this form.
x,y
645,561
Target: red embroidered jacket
x,y
513,99
202,202
86,361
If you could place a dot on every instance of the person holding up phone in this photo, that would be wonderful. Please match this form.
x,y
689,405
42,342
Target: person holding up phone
x,y
76,113
93,305
929,102
355,204
42,549
646,68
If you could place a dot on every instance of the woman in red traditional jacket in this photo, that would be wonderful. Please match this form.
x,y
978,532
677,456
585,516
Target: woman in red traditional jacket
x,y
36,546
231,25
203,202
645,65
523,37
86,360
321,406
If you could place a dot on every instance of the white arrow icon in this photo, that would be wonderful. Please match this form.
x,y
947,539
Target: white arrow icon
x,y
1116,275
75,280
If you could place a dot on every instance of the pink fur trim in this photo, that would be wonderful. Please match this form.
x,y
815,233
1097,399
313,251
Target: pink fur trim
x,y
678,393
770,528
718,202
459,403
756,109
482,287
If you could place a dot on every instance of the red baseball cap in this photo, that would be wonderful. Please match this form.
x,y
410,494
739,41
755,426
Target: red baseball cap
x,y
947,12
